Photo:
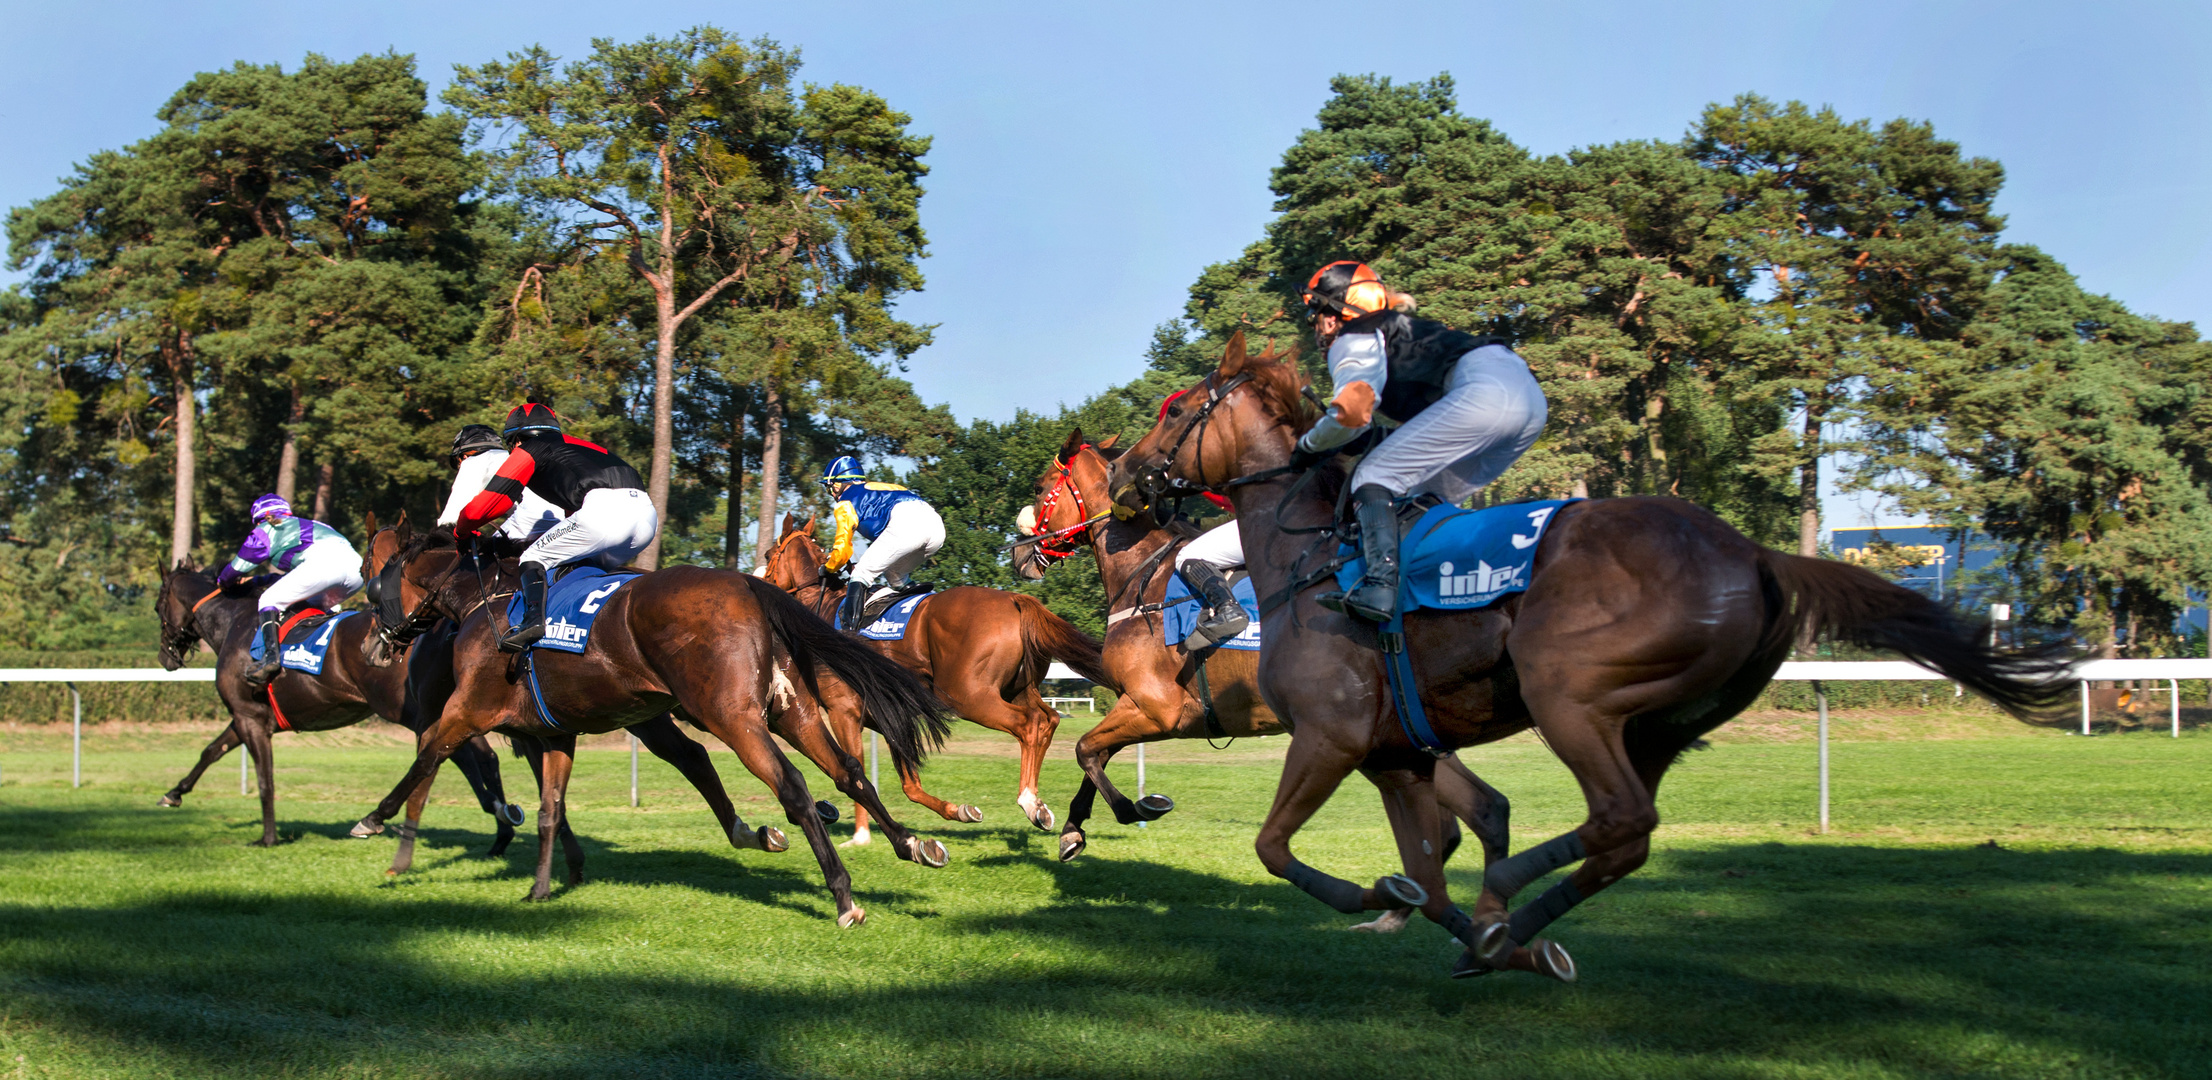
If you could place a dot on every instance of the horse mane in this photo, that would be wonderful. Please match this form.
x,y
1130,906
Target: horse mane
x,y
1283,385
432,540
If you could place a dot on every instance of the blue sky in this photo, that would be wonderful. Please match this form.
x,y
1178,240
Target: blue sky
x,y
1090,159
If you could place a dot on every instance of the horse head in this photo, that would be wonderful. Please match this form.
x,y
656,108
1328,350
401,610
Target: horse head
x,y
795,561
1244,417
1071,489
179,630
411,583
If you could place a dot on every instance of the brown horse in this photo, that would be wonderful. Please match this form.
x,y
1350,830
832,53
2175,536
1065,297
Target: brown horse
x,y
1160,696
982,650
728,651
192,609
1647,622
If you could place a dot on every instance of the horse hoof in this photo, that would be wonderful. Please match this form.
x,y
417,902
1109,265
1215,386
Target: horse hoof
x,y
510,813
772,839
861,838
392,872
1154,807
1470,966
1389,922
930,853
1407,892
365,828
1072,845
1552,960
852,918
969,814
1043,819
825,810
170,801
1494,943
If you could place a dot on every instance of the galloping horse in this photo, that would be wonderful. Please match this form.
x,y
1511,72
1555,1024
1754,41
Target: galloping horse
x,y
430,662
192,609
1160,697
1647,622
728,651
982,650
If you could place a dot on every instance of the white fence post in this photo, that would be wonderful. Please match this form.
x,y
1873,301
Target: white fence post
x,y
1140,780
2174,702
1821,696
76,737
243,757
2085,706
633,768
872,761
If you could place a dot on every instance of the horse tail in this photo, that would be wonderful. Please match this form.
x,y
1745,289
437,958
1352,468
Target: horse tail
x,y
1047,635
908,715
1857,606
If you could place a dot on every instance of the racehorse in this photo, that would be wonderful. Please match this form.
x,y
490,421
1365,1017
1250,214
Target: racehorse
x,y
984,651
429,642
729,652
192,609
1161,697
1647,622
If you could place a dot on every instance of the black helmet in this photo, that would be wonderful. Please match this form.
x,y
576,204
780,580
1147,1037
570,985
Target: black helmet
x,y
473,439
529,417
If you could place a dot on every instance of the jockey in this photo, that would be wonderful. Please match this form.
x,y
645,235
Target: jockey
x,y
317,563
608,519
901,528
1465,408
477,454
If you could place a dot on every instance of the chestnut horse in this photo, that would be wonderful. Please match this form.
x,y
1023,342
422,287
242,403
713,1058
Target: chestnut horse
x,y
982,650
729,652
1647,623
1160,698
192,609
430,658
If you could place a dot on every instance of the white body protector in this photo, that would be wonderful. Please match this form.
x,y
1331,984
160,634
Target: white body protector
x,y
532,515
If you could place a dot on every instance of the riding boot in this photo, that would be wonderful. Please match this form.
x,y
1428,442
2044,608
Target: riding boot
x,y
1223,618
258,673
856,598
531,626
1376,598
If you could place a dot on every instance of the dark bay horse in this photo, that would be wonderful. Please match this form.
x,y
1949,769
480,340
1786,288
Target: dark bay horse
x,y
429,645
347,692
727,651
1160,697
984,651
1647,622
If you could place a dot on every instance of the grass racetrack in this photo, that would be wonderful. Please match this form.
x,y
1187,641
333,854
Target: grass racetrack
x,y
1996,902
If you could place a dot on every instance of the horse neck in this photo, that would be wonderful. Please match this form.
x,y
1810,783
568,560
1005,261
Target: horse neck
x,y
1116,567
217,616
1271,554
461,591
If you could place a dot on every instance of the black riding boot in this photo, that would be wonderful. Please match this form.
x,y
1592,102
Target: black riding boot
x,y
856,598
1376,598
1223,618
272,651
527,630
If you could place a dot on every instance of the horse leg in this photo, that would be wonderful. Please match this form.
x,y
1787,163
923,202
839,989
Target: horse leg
x,y
803,728
1409,799
1311,773
1035,733
432,747
403,859
479,764
256,735
559,758
1485,810
669,743
222,744
766,762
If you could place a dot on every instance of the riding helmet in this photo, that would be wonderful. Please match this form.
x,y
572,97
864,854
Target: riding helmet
x,y
844,470
472,439
269,506
529,417
1346,288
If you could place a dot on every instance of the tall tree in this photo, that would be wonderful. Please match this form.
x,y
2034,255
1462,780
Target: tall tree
x,y
694,158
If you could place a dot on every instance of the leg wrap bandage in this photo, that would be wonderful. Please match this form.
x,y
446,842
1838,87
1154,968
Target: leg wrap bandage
x,y
1512,875
1531,918
1335,892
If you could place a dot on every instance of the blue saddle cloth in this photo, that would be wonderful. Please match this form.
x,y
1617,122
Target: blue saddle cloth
x,y
571,606
307,645
1460,560
1179,614
891,625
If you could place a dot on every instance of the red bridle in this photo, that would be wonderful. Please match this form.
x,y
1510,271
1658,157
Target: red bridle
x,y
1052,546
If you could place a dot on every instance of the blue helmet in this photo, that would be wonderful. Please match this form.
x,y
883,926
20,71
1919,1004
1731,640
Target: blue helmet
x,y
842,471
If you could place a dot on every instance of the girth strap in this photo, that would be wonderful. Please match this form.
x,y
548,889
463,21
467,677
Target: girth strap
x,y
537,696
1214,730
1405,690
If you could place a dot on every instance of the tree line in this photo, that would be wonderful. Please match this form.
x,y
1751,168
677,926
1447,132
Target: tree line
x,y
308,279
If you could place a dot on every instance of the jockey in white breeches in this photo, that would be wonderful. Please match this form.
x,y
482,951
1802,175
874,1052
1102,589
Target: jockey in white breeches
x,y
317,562
902,531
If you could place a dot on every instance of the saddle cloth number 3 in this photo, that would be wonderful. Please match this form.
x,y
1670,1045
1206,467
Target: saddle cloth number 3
x,y
1536,520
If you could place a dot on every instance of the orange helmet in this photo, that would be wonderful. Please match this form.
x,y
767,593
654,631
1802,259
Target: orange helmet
x,y
1348,289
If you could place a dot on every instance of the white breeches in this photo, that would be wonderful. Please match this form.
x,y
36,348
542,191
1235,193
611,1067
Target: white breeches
x,y
532,517
1219,547
1492,411
913,533
610,528
329,572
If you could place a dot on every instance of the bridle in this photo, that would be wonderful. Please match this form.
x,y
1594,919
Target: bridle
x,y
1053,545
395,634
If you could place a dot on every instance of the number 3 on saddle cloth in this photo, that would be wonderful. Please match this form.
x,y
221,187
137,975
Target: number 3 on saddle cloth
x,y
1452,560
303,643
572,604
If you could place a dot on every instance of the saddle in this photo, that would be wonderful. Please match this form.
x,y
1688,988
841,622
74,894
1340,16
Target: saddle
x,y
883,599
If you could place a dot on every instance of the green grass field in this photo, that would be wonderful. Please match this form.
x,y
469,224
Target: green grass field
x,y
142,942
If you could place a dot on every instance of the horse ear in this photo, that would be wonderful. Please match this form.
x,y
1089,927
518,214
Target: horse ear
x,y
785,528
1108,442
808,528
372,523
1071,445
405,531
1233,358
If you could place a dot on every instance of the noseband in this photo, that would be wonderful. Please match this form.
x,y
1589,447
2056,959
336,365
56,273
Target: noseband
x,y
1053,545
